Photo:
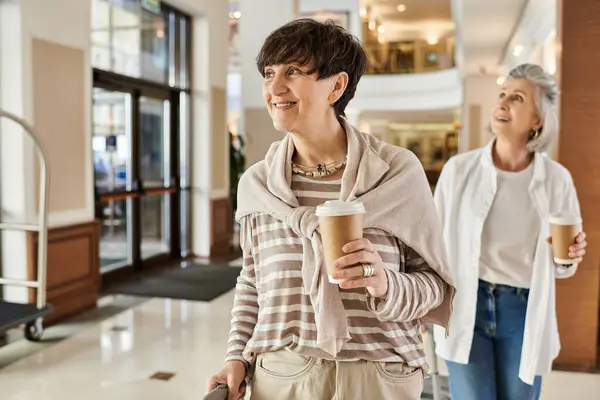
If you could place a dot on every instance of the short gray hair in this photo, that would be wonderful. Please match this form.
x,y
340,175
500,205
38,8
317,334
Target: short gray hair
x,y
546,98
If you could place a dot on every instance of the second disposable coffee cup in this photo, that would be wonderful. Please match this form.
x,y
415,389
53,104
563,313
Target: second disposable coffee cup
x,y
340,223
564,228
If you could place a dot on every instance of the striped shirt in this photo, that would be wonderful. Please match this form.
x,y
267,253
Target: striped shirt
x,y
272,310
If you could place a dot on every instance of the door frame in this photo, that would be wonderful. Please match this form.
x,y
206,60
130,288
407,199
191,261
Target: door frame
x,y
137,88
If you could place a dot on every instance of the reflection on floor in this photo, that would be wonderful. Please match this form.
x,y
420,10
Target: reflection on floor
x,y
114,250
108,307
182,342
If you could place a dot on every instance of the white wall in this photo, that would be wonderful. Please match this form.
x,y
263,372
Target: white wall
x,y
14,148
411,92
66,22
352,7
259,19
328,5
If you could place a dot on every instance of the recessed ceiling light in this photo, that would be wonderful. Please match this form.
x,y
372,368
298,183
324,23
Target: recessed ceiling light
x,y
381,29
237,15
518,50
363,12
401,8
500,80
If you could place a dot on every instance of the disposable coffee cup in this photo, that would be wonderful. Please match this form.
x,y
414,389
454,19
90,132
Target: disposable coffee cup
x,y
340,223
564,228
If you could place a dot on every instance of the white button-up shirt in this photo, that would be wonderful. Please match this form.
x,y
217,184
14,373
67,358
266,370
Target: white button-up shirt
x,y
464,195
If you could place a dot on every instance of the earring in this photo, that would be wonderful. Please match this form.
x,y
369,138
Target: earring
x,y
535,133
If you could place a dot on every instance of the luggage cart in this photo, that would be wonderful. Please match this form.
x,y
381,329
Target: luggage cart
x,y
13,315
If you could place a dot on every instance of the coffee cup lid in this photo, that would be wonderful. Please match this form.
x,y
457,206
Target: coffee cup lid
x,y
565,218
338,208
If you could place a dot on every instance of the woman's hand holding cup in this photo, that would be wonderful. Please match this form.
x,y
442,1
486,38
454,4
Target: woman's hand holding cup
x,y
362,259
577,250
567,238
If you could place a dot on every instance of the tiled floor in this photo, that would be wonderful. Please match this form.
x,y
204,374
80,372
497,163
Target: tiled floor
x,y
115,358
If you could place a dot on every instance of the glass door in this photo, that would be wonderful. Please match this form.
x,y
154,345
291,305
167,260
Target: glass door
x,y
112,145
135,179
141,74
157,181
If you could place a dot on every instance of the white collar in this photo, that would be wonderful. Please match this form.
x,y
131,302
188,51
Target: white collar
x,y
539,167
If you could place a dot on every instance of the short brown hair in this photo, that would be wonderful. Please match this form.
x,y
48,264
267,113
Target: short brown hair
x,y
329,47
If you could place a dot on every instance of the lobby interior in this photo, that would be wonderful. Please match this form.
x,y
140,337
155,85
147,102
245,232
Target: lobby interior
x,y
148,112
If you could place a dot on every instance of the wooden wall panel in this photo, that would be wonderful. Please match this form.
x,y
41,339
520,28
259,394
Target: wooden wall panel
x,y
72,268
474,113
221,222
220,139
578,302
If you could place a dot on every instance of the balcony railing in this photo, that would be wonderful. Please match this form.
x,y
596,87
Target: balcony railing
x,y
410,57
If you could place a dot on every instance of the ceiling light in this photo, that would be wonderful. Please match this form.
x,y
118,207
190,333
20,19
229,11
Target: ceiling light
x,y
401,8
381,29
500,80
237,15
363,12
518,50
432,36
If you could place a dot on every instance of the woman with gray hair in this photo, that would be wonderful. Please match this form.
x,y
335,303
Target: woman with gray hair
x,y
495,204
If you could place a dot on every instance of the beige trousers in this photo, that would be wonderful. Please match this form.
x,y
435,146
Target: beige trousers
x,y
284,375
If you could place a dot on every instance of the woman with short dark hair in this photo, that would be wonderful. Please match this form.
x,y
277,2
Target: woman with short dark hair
x,y
295,334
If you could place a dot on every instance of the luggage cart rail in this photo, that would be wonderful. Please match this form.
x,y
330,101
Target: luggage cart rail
x,y
14,314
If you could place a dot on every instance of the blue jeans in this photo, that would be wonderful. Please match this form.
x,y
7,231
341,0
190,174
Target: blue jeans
x,y
493,369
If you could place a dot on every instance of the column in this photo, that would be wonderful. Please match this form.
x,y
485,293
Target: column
x,y
259,18
577,299
15,151
480,93
212,221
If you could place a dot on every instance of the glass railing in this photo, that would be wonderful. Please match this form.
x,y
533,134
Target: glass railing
x,y
408,57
